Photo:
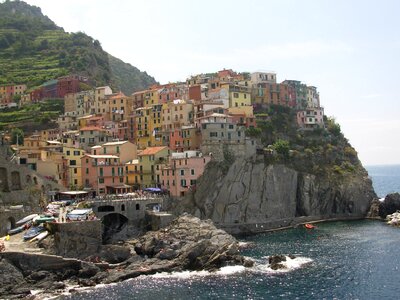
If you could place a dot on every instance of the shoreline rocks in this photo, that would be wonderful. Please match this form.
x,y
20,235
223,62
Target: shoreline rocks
x,y
188,243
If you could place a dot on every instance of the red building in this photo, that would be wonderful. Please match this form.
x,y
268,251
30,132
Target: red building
x,y
67,85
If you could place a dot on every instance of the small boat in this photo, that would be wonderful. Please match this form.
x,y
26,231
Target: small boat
x,y
26,219
16,230
34,231
40,236
309,226
43,219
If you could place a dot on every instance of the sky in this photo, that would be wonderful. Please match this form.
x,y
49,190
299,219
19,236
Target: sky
x,y
348,49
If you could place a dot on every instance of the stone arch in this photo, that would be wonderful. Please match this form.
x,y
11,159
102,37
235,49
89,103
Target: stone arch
x,y
113,223
10,223
15,180
4,180
28,179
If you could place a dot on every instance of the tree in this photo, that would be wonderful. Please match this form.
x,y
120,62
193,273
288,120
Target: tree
x,y
17,136
282,147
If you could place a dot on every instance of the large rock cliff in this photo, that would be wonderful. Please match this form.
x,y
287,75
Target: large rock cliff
x,y
253,195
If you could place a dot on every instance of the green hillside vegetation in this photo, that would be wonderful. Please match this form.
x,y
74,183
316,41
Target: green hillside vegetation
x,y
321,151
128,77
33,49
32,117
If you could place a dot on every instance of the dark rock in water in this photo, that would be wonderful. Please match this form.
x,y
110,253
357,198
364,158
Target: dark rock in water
x,y
193,244
390,205
275,261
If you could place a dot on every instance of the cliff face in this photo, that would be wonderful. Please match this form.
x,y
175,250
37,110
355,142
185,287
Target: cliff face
x,y
275,195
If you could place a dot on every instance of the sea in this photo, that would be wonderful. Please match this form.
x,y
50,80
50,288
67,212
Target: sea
x,y
336,260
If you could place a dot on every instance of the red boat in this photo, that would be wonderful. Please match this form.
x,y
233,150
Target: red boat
x,y
309,226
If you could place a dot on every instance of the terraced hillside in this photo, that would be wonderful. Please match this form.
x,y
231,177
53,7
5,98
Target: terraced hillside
x,y
33,49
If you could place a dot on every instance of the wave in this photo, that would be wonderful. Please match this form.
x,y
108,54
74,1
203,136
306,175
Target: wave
x,y
289,265
260,266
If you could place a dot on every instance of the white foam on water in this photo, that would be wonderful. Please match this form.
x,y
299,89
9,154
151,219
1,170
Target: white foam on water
x,y
289,265
180,275
229,270
224,271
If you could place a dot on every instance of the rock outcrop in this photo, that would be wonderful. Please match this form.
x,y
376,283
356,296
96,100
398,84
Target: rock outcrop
x,y
390,205
188,243
252,192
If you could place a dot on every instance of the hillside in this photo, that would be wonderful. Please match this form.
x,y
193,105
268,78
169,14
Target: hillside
x,y
33,49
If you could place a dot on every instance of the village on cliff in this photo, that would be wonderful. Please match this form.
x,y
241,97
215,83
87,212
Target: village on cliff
x,y
161,138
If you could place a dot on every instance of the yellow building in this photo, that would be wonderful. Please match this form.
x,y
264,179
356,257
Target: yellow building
x,y
176,114
150,162
148,122
74,173
238,95
120,106
133,175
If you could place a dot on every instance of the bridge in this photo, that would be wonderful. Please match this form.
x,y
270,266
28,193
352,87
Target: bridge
x,y
119,212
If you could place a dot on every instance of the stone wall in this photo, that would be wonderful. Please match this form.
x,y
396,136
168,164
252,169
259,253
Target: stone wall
x,y
77,239
20,186
219,149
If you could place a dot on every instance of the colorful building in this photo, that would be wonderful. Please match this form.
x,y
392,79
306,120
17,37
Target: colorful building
x,y
74,173
151,160
180,175
105,174
311,118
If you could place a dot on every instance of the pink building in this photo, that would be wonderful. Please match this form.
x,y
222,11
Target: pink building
x,y
105,174
311,117
182,172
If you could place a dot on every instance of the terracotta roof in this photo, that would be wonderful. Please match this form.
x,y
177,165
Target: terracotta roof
x,y
118,95
151,150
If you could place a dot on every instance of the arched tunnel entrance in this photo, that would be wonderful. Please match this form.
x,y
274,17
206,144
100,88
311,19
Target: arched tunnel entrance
x,y
10,223
112,224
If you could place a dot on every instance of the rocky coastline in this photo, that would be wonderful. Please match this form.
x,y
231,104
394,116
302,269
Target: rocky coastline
x,y
188,243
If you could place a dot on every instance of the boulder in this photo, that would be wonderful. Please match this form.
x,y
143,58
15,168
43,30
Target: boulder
x,y
390,205
10,276
114,253
275,261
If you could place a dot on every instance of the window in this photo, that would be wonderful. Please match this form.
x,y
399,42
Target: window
x,y
182,172
192,171
75,181
68,152
235,95
101,180
87,170
183,182
75,153
213,134
72,163
137,206
75,170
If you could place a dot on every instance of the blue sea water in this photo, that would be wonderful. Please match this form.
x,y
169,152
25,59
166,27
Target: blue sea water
x,y
337,260
385,179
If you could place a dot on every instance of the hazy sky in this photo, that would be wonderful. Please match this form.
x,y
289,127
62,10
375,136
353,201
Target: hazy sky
x,y
349,49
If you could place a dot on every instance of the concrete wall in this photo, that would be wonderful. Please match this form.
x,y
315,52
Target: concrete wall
x,y
77,239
